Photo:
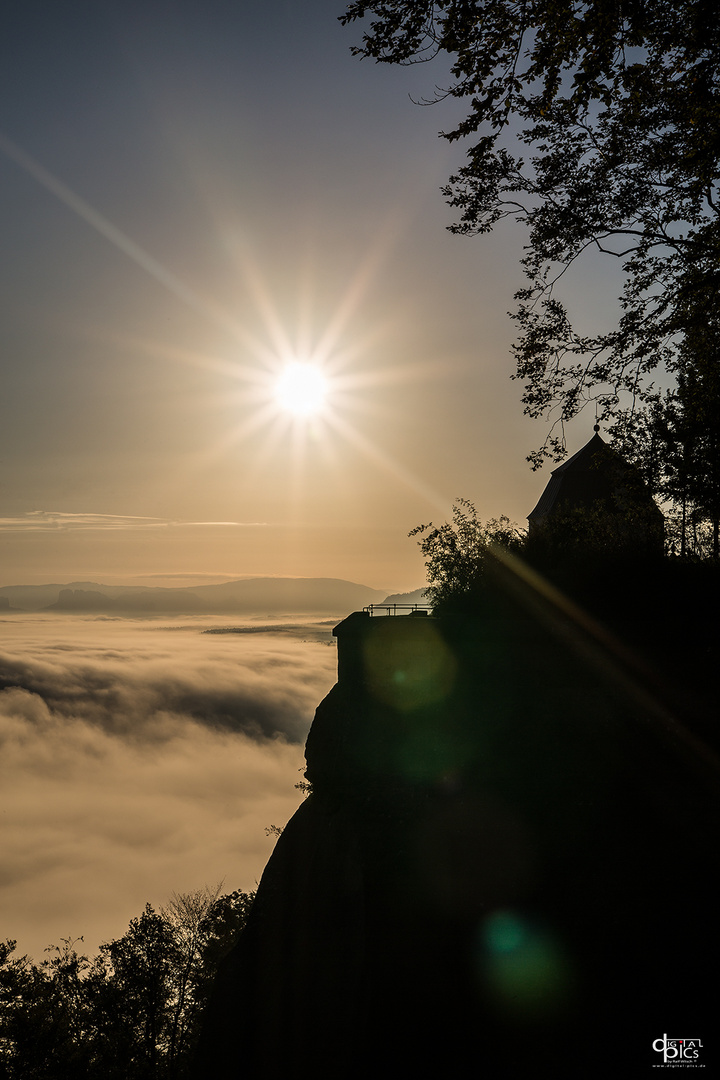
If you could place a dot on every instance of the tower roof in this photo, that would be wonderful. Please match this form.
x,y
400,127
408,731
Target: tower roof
x,y
595,474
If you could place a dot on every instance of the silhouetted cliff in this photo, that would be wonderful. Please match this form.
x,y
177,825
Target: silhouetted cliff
x,y
507,865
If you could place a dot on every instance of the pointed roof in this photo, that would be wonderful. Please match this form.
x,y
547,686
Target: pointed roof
x,y
595,473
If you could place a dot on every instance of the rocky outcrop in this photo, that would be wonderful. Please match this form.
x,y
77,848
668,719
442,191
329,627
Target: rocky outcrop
x,y
82,600
506,866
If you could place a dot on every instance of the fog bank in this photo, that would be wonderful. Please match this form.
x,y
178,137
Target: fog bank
x,y
138,760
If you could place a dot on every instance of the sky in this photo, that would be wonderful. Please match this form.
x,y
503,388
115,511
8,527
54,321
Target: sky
x,y
196,195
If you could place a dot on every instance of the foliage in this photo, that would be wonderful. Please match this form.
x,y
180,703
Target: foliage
x,y
456,555
596,124
131,1013
596,538
685,425
304,787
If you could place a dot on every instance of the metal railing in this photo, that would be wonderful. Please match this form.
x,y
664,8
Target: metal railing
x,y
395,609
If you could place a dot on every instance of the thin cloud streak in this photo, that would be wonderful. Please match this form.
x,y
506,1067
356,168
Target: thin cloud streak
x,y
63,521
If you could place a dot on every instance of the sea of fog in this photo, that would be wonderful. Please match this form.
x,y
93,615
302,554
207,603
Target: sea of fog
x,y
143,757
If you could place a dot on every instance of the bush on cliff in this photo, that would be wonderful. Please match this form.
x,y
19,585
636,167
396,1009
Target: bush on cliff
x,y
457,555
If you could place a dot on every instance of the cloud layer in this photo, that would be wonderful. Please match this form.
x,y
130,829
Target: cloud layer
x,y
137,761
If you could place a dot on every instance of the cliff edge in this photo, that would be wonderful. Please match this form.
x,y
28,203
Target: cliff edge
x,y
507,865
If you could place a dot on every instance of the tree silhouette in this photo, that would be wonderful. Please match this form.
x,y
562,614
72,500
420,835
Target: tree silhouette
x,y
456,556
132,1012
691,468
595,125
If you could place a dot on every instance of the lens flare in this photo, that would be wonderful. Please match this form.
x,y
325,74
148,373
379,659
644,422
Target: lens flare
x,y
522,967
408,665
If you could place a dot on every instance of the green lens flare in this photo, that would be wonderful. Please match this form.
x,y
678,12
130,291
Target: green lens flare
x,y
408,665
504,933
522,968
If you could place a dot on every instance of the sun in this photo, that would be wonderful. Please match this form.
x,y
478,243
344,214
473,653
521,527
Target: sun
x,y
301,389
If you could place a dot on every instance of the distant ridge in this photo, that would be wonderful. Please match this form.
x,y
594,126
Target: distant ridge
x,y
417,596
258,595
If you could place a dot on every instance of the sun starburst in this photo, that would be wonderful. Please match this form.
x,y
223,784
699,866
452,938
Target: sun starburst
x,y
301,389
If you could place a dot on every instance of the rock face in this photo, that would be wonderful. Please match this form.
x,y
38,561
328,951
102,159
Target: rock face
x,y
506,866
81,600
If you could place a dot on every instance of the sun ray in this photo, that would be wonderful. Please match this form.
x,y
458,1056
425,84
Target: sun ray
x,y
388,464
118,238
352,297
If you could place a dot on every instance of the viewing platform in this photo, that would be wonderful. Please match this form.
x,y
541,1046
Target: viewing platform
x,y
397,609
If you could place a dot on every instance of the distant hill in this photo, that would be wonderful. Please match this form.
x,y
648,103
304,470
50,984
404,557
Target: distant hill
x,y
417,596
260,595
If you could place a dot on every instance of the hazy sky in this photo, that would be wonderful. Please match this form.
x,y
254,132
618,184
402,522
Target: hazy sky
x,y
195,194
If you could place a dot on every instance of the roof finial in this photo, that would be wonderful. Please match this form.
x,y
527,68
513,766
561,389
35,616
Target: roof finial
x,y
597,426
